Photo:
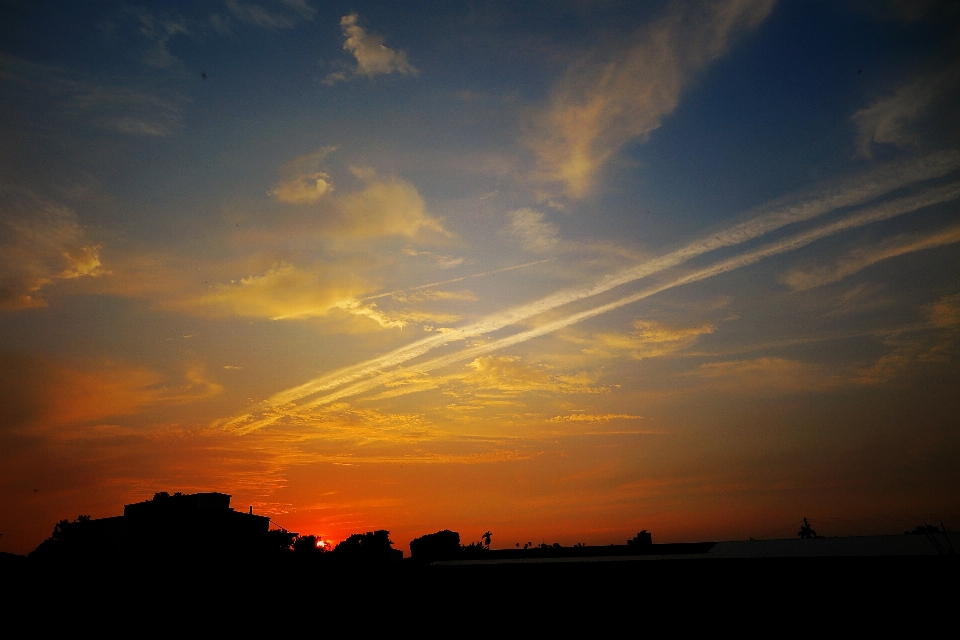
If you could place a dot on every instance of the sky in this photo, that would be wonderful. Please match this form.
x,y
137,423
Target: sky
x,y
560,270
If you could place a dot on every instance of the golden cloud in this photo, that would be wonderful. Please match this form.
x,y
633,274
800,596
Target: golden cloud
x,y
303,182
599,107
859,259
285,291
528,226
40,242
594,417
766,376
650,339
47,394
372,55
384,207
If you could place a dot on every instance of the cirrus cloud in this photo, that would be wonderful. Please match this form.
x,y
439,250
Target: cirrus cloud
x,y
599,107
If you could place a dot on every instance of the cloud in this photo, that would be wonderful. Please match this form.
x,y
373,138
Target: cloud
x,y
945,312
42,394
139,110
393,319
292,12
384,207
429,294
893,119
350,380
444,262
600,106
650,339
405,292
372,56
917,348
763,376
41,242
303,182
594,418
284,291
160,32
534,234
859,259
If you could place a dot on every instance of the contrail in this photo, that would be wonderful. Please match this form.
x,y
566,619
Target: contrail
x,y
437,284
864,190
874,214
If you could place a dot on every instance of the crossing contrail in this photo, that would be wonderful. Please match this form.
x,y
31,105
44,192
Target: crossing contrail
x,y
452,280
347,381
875,214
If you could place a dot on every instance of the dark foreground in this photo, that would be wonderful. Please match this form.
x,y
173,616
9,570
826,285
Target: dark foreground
x,y
853,593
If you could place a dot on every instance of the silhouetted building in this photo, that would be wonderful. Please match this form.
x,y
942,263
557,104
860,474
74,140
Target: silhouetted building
x,y
642,539
179,526
194,524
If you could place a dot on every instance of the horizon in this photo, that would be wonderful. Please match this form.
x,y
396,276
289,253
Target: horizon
x,y
562,272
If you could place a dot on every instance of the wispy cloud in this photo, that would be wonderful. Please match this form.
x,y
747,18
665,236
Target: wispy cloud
x,y
160,31
41,242
649,339
859,191
893,119
407,291
285,16
765,376
41,394
594,417
372,55
139,110
302,180
284,291
444,262
536,235
945,312
859,259
601,106
385,206
920,346
341,383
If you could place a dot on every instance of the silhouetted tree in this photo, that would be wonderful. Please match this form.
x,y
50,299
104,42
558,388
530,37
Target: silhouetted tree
x,y
308,546
372,547
442,545
806,531
924,529
68,541
280,540
477,548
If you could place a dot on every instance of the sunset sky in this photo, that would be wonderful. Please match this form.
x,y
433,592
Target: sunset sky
x,y
558,270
